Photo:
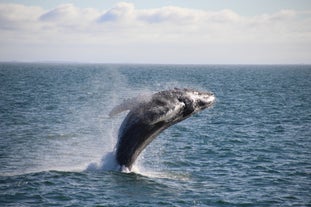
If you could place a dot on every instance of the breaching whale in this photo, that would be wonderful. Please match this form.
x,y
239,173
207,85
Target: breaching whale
x,y
150,115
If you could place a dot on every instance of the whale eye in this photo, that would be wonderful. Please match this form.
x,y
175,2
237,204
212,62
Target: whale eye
x,y
201,103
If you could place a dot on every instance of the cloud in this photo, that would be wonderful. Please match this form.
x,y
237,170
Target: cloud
x,y
63,12
125,26
170,14
163,21
121,11
16,16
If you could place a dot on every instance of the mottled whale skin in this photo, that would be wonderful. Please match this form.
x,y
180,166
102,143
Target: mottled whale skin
x,y
150,115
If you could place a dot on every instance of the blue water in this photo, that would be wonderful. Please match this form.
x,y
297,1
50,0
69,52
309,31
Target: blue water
x,y
253,148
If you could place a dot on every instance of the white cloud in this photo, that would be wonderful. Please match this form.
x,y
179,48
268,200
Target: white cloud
x,y
124,26
170,14
18,17
122,11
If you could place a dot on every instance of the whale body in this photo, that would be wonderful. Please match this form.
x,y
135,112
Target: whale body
x,y
149,115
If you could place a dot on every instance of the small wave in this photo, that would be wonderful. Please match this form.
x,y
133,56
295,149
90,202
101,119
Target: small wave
x,y
181,176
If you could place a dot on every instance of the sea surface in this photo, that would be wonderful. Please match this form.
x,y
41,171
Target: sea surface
x,y
252,148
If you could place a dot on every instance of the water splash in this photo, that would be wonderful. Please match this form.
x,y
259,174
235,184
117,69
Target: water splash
x,y
107,163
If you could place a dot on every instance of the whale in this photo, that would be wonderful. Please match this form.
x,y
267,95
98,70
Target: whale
x,y
148,115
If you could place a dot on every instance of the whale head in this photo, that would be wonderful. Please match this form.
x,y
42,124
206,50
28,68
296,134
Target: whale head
x,y
202,100
196,101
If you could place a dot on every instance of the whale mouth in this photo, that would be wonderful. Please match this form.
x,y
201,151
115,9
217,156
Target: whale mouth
x,y
211,99
207,103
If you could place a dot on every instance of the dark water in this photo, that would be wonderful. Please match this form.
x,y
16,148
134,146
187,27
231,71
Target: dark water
x,y
253,148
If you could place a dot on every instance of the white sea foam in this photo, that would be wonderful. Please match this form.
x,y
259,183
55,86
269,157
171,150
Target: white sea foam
x,y
107,163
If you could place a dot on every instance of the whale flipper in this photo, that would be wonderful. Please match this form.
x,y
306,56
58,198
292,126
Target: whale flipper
x,y
129,104
126,105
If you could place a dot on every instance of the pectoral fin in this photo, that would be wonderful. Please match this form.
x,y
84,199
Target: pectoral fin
x,y
128,104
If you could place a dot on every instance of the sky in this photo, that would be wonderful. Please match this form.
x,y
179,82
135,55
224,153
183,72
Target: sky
x,y
156,31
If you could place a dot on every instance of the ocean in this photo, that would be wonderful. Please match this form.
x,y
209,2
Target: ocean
x,y
252,148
